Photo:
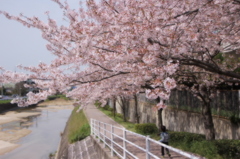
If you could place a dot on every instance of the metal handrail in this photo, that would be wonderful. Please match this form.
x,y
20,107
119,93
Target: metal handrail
x,y
99,130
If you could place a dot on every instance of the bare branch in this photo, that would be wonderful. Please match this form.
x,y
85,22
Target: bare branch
x,y
98,80
101,67
209,67
105,49
187,13
111,7
152,41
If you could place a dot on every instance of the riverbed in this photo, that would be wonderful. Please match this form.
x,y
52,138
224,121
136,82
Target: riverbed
x,y
33,133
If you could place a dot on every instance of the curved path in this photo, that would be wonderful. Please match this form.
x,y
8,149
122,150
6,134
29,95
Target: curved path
x,y
92,112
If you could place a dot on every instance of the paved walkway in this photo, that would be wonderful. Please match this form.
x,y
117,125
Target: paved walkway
x,y
92,112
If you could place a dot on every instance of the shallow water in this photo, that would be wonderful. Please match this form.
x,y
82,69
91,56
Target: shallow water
x,y
44,138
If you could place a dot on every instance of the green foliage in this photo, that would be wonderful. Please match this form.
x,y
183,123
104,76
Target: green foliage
x,y
51,97
80,134
5,101
118,118
110,109
146,128
228,148
52,155
237,70
223,113
106,107
235,119
185,137
196,143
119,115
219,57
57,96
97,104
204,148
78,126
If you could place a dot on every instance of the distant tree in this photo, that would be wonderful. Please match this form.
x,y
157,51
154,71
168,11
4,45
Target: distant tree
x,y
2,90
136,108
124,104
20,89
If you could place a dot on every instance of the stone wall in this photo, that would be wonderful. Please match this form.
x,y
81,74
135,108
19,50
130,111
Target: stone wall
x,y
193,122
177,120
146,112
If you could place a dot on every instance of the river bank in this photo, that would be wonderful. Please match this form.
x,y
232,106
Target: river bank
x,y
7,106
15,124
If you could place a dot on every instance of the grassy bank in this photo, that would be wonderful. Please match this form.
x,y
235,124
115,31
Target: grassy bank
x,y
118,118
78,126
195,143
5,101
57,96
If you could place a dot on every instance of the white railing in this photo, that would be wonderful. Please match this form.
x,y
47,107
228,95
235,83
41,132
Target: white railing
x,y
118,139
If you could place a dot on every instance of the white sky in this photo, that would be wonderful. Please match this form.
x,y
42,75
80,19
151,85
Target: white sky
x,y
22,45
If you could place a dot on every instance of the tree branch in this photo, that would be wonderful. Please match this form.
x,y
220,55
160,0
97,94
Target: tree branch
x,y
111,7
187,13
101,67
208,67
98,80
152,41
105,49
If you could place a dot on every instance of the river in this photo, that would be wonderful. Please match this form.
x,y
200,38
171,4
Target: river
x,y
42,127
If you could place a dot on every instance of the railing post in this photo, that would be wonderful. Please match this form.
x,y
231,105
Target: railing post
x,y
94,128
124,143
112,140
147,148
99,131
104,137
91,121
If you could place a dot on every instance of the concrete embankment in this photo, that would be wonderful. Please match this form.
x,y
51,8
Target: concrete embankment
x,y
88,148
62,152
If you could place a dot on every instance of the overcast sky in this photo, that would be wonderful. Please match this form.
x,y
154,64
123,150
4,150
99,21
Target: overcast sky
x,y
22,45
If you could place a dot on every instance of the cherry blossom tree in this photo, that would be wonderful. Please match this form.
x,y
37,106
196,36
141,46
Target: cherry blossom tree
x,y
201,34
122,47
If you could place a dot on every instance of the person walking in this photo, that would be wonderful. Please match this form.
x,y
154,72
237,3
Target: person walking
x,y
164,139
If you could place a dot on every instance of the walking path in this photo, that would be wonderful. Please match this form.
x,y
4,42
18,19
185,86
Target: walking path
x,y
92,112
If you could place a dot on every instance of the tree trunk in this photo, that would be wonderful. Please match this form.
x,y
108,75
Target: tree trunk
x,y
160,121
178,101
126,109
124,105
136,109
208,121
114,107
239,103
